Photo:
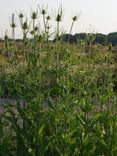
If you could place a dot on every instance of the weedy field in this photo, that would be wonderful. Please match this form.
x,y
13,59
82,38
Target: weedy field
x,y
65,94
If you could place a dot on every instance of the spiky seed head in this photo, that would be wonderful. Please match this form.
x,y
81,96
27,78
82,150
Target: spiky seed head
x,y
43,12
13,24
25,25
59,15
21,15
48,18
75,18
48,27
58,18
34,15
36,28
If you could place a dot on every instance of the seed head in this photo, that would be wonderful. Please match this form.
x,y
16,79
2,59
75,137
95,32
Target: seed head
x,y
36,28
74,18
13,23
48,27
59,15
25,25
34,31
43,10
21,15
34,15
48,18
58,18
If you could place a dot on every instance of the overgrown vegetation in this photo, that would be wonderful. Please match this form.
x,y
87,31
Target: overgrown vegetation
x,y
65,94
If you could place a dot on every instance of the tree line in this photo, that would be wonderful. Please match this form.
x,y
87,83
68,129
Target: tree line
x,y
98,38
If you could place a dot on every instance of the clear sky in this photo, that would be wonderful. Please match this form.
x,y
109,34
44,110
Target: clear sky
x,y
101,14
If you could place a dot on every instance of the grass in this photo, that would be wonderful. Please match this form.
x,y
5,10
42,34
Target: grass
x,y
69,101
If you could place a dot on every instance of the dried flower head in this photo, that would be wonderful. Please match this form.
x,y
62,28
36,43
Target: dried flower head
x,y
76,17
36,28
21,15
34,15
48,27
48,17
59,15
25,25
43,10
13,22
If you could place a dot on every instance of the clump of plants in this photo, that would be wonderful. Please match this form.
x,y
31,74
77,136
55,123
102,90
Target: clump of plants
x,y
61,100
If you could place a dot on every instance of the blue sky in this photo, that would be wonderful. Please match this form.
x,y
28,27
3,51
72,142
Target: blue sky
x,y
101,14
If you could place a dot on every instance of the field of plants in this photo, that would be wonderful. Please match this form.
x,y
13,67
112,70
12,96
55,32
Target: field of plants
x,y
62,97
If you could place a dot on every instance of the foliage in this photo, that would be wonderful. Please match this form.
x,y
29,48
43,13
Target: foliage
x,y
62,101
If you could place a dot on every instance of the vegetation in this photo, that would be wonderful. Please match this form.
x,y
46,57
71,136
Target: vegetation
x,y
99,38
65,94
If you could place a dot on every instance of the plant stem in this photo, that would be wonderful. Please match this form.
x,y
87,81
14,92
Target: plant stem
x,y
70,31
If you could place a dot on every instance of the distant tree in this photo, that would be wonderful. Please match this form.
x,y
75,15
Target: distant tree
x,y
112,37
98,38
